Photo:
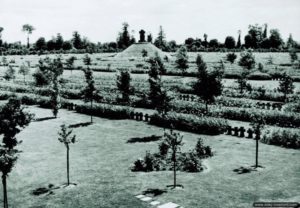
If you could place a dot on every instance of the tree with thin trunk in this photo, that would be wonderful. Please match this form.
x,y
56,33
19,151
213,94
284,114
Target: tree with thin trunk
x,y
257,122
66,137
13,119
182,59
209,84
247,62
89,91
70,63
286,85
24,70
123,84
28,29
174,141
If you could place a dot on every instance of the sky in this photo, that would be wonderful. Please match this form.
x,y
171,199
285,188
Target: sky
x,y
101,20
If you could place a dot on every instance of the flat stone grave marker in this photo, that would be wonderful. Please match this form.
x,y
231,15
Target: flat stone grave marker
x,y
146,198
154,203
139,196
168,205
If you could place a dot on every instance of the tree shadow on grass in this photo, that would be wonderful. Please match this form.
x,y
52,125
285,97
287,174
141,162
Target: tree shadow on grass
x,y
243,170
83,124
44,190
152,138
154,192
44,119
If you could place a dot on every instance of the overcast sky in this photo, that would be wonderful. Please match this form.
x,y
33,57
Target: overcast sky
x,y
100,20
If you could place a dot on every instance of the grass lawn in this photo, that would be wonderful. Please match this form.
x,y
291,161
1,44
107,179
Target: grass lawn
x,y
101,159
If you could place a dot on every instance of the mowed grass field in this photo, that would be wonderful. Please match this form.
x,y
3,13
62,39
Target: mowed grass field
x,y
101,160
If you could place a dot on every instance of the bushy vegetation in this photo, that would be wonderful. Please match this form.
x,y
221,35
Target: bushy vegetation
x,y
191,123
289,138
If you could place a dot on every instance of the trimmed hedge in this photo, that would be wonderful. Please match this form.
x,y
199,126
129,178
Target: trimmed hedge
x,y
191,123
105,111
289,138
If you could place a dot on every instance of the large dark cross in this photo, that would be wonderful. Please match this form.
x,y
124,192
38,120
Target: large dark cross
x,y
142,36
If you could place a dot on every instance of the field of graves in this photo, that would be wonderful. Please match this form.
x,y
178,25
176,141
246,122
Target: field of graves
x,y
120,154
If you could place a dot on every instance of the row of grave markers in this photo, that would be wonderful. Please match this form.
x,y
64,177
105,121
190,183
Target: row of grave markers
x,y
240,132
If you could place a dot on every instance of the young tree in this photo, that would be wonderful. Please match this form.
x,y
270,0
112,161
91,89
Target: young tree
x,y
293,55
10,73
208,85
87,60
1,30
24,70
149,38
13,119
231,57
56,68
257,123
247,62
28,29
66,137
174,141
89,91
182,59
156,60
123,84
70,63
286,85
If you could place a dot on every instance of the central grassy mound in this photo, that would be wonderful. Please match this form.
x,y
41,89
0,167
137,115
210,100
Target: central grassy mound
x,y
136,51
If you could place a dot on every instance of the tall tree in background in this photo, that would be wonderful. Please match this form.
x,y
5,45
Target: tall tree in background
x,y
59,42
77,41
13,119
124,39
205,42
28,29
275,38
265,33
229,42
66,137
1,30
290,42
239,44
149,38
182,59
160,41
40,44
254,36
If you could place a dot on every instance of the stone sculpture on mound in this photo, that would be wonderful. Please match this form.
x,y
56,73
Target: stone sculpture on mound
x,y
142,36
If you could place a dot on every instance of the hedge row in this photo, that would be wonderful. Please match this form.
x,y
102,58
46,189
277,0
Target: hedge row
x,y
272,117
105,111
289,138
191,123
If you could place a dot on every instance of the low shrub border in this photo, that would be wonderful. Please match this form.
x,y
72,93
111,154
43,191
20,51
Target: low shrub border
x,y
284,137
191,123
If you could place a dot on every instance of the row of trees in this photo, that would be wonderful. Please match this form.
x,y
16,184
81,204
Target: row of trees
x,y
257,37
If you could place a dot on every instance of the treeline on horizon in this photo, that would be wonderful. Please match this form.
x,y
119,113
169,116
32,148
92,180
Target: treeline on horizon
x,y
258,38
